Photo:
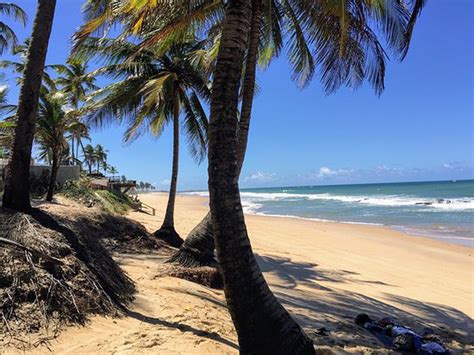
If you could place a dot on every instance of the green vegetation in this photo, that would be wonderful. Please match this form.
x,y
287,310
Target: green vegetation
x,y
109,201
8,37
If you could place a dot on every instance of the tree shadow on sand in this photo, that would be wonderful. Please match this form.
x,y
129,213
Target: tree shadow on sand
x,y
182,327
318,306
294,273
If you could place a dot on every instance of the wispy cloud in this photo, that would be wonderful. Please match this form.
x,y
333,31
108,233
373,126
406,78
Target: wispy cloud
x,y
326,172
260,177
457,165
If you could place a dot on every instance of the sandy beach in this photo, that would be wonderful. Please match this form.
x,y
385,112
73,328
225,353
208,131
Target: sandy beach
x,y
323,273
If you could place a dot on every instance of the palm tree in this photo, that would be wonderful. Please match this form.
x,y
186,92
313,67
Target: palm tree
x,y
153,91
262,324
75,82
8,37
113,170
78,132
89,156
17,189
100,155
51,127
348,53
19,66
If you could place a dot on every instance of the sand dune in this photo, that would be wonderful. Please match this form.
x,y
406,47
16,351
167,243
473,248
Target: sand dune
x,y
324,273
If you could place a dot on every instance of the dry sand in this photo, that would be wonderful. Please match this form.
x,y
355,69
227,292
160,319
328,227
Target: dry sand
x,y
323,273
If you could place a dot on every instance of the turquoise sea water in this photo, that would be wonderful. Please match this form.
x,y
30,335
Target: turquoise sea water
x,y
442,210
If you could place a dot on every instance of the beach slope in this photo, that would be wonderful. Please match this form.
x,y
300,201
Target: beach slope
x,y
323,273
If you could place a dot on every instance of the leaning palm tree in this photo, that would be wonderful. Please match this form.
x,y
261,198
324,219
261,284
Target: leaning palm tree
x,y
316,34
17,183
8,37
153,91
335,36
51,127
262,324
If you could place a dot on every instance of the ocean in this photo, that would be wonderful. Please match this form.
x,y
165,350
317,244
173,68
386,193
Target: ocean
x,y
442,210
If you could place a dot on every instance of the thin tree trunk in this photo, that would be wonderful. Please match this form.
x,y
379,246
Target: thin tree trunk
x,y
198,247
72,150
77,150
52,177
262,324
167,231
17,184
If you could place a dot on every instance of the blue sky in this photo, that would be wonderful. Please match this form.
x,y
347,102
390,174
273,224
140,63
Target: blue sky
x,y
421,128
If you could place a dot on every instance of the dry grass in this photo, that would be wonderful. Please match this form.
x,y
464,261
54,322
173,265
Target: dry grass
x,y
56,269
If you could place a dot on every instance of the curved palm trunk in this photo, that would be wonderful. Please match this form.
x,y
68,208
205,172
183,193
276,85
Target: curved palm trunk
x,y
262,324
53,176
17,184
198,247
167,231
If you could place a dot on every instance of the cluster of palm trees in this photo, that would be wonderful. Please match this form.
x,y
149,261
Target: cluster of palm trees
x,y
97,157
60,129
145,186
170,60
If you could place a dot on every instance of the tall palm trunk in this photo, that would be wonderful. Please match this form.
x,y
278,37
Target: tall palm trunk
x,y
167,231
53,176
17,184
262,324
198,247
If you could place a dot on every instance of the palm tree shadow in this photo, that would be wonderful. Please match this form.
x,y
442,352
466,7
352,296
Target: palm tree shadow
x,y
295,273
182,328
318,306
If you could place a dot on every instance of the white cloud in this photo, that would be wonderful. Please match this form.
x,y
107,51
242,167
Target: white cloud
x,y
388,170
455,165
326,172
260,176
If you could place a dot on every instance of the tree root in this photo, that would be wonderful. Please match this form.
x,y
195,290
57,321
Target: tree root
x,y
170,236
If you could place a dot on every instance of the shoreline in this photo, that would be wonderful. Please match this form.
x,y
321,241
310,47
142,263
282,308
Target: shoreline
x,y
400,229
323,273
371,261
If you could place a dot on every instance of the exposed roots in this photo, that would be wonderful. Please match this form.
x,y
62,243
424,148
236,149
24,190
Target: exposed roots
x,y
170,236
207,276
51,276
191,258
